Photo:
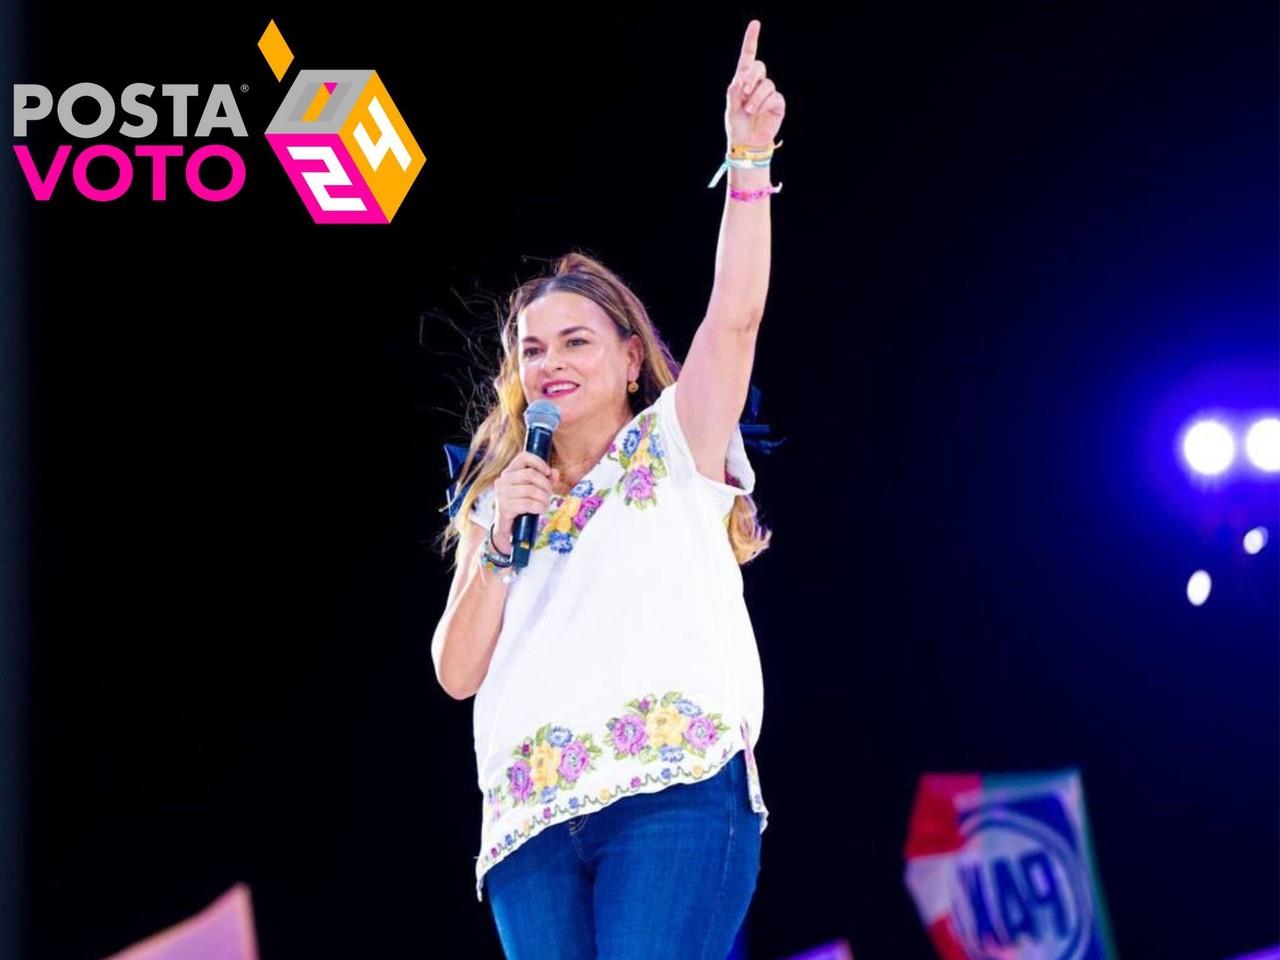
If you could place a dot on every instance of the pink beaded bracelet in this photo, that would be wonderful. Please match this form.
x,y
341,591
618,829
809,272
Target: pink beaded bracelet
x,y
752,195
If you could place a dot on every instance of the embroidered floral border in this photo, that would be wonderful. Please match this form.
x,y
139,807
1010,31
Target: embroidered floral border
x,y
577,806
641,460
559,527
670,731
650,731
534,822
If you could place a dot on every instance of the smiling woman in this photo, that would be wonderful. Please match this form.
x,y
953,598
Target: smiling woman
x,y
618,687
583,697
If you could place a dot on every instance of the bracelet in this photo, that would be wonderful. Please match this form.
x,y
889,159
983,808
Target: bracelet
x,y
505,574
495,561
752,195
493,547
751,153
748,164
744,158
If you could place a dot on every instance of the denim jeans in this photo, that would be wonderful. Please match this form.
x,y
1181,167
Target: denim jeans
x,y
653,875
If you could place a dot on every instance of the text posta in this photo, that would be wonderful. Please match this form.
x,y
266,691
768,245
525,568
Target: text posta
x,y
33,103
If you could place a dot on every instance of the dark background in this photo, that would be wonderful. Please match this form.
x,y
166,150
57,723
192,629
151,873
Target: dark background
x,y
1018,247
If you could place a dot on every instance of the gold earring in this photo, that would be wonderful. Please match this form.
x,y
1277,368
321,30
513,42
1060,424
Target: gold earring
x,y
632,387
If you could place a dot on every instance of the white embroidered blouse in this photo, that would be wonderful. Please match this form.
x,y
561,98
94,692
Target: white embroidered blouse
x,y
626,661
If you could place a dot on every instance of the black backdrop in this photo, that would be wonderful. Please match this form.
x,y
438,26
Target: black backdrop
x,y
1008,238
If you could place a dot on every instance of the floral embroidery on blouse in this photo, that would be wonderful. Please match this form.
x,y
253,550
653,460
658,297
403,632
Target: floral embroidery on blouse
x,y
663,730
549,764
559,527
554,758
643,461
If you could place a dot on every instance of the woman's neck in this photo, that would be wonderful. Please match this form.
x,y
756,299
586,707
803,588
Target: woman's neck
x,y
575,451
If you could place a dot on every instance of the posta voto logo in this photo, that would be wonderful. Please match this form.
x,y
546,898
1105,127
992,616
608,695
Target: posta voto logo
x,y
343,144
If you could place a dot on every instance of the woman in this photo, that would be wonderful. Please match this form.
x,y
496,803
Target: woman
x,y
617,680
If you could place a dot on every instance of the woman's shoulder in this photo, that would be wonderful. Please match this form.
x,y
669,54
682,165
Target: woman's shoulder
x,y
482,506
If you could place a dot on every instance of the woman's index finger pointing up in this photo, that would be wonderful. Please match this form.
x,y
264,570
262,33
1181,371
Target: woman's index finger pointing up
x,y
749,45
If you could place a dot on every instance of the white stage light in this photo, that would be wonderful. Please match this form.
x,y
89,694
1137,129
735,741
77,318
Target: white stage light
x,y
1208,447
1198,588
1262,444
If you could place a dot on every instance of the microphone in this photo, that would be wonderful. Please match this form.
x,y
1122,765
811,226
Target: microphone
x,y
541,419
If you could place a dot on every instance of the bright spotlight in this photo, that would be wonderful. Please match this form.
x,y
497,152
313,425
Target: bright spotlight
x,y
1208,447
1255,540
1262,443
1198,588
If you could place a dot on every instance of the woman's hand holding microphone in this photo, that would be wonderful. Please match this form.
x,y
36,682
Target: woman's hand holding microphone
x,y
525,486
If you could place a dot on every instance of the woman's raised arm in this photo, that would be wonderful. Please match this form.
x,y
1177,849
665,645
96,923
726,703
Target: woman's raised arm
x,y
716,373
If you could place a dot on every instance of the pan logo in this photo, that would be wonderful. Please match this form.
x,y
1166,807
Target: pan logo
x,y
341,140
1019,890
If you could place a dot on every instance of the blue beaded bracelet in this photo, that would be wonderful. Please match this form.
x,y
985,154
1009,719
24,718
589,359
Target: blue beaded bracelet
x,y
737,164
495,561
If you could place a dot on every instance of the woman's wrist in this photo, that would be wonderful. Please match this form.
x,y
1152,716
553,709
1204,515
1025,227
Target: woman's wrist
x,y
754,179
500,541
748,169
494,562
492,573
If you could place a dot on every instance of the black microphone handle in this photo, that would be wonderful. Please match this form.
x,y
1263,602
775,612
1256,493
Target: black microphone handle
x,y
524,530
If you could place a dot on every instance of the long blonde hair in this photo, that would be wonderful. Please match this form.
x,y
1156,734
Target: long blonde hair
x,y
500,433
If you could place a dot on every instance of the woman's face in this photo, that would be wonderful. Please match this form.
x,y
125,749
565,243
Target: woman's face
x,y
563,338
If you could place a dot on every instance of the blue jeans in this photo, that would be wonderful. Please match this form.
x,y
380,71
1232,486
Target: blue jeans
x,y
666,874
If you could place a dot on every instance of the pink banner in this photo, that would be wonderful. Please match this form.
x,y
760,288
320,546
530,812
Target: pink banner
x,y
222,931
